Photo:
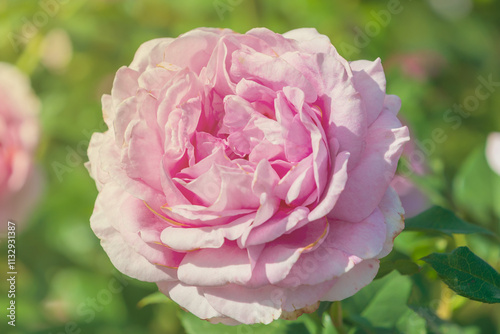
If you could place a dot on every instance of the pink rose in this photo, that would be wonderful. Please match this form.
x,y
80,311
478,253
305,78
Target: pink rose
x,y
248,174
493,151
19,183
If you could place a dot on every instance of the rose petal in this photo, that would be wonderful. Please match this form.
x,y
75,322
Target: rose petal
x,y
199,43
368,182
311,40
273,72
190,298
122,254
280,255
342,108
187,239
334,188
215,266
393,212
150,54
364,239
142,155
321,265
369,80
248,306
278,225
353,281
264,180
305,295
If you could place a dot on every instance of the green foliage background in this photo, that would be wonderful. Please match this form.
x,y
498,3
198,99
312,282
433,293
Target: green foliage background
x,y
63,271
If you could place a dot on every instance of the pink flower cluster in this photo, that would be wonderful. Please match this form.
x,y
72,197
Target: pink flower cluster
x,y
248,174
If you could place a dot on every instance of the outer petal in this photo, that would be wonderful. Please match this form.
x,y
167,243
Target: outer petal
x,y
392,103
342,107
277,42
321,265
369,80
305,295
108,161
353,281
193,49
414,201
124,86
142,155
190,298
248,306
150,54
364,239
100,177
368,182
134,218
311,40
215,267
122,255
393,212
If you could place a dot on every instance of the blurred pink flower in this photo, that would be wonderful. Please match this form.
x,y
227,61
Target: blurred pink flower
x,y
493,151
420,65
19,132
248,174
413,199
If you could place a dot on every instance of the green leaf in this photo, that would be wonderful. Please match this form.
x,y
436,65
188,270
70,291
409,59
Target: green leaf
x,y
438,219
389,304
328,327
361,326
405,267
397,261
476,187
323,307
380,304
411,323
438,325
451,328
433,322
154,298
467,274
194,325
496,195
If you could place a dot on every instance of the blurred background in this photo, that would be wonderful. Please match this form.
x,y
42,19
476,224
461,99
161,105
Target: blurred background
x,y
440,56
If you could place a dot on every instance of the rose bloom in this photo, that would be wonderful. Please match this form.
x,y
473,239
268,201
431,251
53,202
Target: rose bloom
x,y
248,174
19,132
493,151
